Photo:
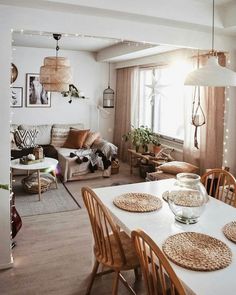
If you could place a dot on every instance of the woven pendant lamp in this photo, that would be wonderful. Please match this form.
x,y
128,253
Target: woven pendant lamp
x,y
55,74
212,74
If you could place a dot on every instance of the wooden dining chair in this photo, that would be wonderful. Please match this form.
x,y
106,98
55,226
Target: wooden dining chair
x,y
220,184
112,248
159,277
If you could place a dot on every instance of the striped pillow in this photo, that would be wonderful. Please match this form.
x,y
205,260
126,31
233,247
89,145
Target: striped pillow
x,y
25,138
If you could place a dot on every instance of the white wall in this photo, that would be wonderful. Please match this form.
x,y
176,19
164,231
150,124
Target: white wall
x,y
89,76
5,59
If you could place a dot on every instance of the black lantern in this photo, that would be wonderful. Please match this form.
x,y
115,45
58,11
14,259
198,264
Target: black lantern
x,y
108,95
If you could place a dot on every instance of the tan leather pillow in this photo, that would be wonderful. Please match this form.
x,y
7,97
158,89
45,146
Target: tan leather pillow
x,y
176,167
76,138
91,137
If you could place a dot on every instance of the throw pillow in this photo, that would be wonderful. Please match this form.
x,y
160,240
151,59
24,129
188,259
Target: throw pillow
x,y
91,137
176,167
60,133
26,138
12,141
76,138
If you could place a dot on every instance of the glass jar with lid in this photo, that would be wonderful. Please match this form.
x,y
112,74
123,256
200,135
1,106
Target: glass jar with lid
x,y
187,198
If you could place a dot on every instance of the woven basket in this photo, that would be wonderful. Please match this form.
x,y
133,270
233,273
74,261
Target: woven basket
x,y
115,166
30,183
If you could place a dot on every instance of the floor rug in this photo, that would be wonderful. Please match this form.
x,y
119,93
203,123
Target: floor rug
x,y
123,177
52,201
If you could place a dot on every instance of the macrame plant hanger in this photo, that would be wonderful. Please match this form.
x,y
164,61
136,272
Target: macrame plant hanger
x,y
198,116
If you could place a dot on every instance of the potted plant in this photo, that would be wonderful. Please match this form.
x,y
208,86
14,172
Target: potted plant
x,y
156,143
139,137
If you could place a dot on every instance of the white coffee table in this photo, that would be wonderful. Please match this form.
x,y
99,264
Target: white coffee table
x,y
48,163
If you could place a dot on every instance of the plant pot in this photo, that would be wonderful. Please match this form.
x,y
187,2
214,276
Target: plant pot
x,y
156,149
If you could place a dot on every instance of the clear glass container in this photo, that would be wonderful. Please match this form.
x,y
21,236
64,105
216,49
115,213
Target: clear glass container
x,y
187,198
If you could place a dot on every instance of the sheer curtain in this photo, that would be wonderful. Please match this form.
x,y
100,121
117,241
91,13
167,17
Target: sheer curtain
x,y
126,107
210,135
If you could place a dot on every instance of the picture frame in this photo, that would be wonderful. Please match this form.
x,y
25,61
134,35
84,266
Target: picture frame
x,y
16,97
36,96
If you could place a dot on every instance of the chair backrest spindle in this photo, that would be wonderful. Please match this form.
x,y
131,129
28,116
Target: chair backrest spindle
x,y
159,277
221,185
106,236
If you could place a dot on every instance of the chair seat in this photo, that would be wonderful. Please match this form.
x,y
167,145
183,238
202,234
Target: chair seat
x,y
129,250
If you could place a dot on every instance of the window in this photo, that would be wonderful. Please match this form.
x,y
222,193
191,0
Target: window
x,y
162,108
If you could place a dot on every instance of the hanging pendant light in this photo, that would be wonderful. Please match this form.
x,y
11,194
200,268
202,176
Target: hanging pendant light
x,y
108,95
212,74
55,74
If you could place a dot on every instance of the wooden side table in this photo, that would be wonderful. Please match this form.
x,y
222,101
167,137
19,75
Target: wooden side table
x,y
133,155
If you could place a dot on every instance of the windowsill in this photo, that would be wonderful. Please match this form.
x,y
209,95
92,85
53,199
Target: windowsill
x,y
176,144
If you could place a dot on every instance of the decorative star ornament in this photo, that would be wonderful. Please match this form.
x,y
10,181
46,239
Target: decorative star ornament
x,y
157,88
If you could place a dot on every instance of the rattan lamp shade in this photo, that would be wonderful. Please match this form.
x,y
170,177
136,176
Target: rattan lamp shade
x,y
55,74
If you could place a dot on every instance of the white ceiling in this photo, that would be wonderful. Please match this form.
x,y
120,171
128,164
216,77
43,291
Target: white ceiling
x,y
112,50
67,42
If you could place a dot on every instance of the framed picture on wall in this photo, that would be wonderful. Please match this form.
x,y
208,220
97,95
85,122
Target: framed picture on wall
x,y
16,97
36,95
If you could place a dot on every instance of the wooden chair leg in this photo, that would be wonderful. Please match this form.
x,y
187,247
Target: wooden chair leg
x,y
92,277
123,280
115,283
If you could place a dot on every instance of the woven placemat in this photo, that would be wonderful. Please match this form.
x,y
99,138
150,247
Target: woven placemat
x,y
138,202
184,198
197,251
165,196
229,231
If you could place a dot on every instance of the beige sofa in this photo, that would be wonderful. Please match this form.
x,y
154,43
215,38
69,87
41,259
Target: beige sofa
x,y
52,139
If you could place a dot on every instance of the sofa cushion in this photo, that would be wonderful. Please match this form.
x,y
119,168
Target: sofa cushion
x,y
26,138
60,133
91,137
176,167
76,139
44,133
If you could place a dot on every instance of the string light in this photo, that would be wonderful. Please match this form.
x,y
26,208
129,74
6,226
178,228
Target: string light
x,y
226,120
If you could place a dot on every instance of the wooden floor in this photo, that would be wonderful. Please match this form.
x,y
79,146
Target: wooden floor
x,y
54,256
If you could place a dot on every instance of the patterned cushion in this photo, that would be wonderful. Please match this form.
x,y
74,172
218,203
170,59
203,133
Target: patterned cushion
x,y
60,133
26,138
44,133
91,137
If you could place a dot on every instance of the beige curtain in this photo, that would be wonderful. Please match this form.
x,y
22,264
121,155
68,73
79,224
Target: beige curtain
x,y
210,135
126,107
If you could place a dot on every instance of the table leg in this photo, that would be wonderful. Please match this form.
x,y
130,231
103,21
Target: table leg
x,y
39,185
55,177
131,163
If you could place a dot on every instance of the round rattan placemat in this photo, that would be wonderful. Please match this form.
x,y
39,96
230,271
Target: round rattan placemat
x,y
184,198
138,202
165,196
197,251
229,231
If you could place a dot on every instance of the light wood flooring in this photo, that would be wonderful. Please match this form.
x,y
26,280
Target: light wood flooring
x,y
54,256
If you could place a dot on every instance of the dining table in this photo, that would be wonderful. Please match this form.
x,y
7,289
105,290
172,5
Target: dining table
x,y
161,224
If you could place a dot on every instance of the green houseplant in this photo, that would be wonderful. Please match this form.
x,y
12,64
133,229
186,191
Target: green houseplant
x,y
139,137
156,143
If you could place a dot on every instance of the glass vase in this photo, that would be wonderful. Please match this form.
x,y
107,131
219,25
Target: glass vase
x,y
187,198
